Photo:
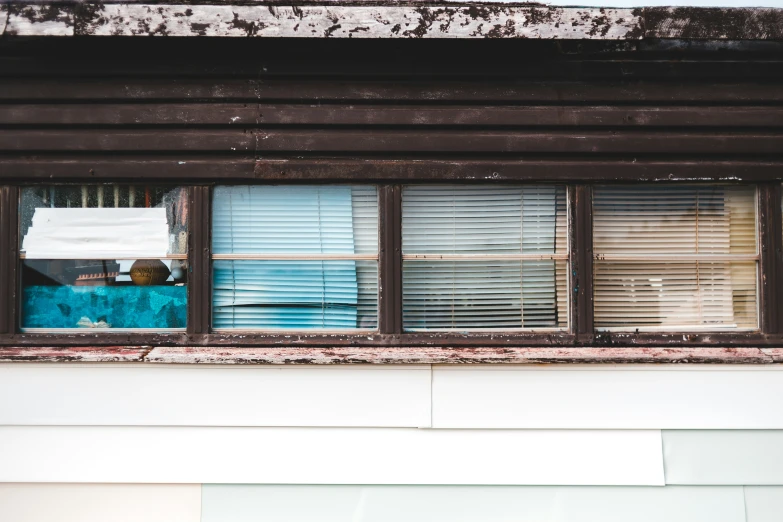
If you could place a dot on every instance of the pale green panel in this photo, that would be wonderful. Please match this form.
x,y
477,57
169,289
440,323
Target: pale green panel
x,y
725,457
764,503
278,503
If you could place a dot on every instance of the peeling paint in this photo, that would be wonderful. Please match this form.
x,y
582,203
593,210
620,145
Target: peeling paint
x,y
331,21
345,19
419,355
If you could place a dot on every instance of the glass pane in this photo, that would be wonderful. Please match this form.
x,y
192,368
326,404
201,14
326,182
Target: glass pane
x,y
658,290
293,294
104,256
704,219
675,296
444,295
273,219
466,219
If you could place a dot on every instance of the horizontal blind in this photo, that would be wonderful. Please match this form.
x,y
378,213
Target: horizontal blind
x,y
484,257
675,257
275,250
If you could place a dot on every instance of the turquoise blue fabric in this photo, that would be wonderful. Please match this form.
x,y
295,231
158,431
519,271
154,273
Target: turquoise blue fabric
x,y
120,306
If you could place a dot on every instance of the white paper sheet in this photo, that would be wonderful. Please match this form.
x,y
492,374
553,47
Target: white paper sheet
x,y
85,233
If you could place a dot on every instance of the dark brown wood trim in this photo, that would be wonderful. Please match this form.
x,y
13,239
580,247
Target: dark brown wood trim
x,y
770,219
228,169
304,340
239,114
390,259
496,169
9,258
582,289
200,262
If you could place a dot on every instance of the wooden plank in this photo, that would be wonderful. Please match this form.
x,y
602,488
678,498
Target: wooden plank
x,y
129,114
171,395
237,141
559,115
107,88
251,455
495,142
723,457
131,167
514,169
297,503
712,23
674,397
355,21
502,90
405,354
393,141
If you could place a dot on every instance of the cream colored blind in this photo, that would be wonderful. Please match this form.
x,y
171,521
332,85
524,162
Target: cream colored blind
x,y
675,257
484,257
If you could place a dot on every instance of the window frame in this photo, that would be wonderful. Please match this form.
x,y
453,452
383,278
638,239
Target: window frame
x,y
389,179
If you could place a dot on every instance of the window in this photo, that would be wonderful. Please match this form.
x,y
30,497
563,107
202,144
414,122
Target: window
x,y
391,264
295,257
675,258
484,257
103,257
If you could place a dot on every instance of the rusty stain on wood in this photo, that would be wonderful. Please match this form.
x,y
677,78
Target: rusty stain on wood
x,y
387,20
393,355
76,354
402,355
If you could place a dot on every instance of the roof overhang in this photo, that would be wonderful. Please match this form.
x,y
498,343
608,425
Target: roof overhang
x,y
390,19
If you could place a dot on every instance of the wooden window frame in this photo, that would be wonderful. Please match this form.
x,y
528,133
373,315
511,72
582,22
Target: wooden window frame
x,y
389,178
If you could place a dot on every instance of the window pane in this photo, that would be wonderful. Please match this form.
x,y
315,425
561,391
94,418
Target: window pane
x,y
293,294
257,287
675,257
103,256
295,219
445,295
478,231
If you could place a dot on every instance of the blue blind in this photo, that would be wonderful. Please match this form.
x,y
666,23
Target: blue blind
x,y
279,220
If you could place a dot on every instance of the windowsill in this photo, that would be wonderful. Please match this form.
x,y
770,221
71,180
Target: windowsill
x,y
342,355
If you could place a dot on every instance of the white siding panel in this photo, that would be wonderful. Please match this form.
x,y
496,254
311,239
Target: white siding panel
x,y
764,503
100,502
329,456
471,504
749,457
188,395
630,397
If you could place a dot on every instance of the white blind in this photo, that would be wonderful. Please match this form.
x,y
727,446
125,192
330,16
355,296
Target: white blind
x,y
484,257
675,257
295,257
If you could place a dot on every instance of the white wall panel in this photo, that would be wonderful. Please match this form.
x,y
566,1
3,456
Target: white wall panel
x,y
764,503
100,502
749,457
195,395
471,504
329,455
605,396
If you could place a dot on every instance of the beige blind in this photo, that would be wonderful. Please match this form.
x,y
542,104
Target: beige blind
x,y
484,257
675,257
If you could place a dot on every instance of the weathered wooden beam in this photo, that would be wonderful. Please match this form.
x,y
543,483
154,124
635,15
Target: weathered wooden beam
x,y
322,21
388,20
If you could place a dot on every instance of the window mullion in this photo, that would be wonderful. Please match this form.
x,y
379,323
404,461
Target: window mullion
x,y
770,270
199,252
9,258
581,261
390,259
